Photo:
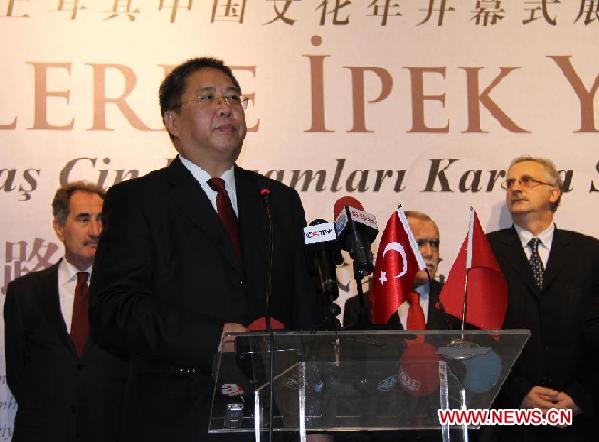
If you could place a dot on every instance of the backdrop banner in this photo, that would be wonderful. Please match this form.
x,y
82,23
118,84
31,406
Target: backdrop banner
x,y
421,103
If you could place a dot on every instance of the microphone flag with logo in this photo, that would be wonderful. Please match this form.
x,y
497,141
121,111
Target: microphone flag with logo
x,y
397,262
475,275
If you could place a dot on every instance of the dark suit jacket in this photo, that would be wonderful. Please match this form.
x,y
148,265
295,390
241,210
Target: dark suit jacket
x,y
437,320
60,397
166,279
556,355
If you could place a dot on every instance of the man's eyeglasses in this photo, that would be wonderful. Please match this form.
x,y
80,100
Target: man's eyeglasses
x,y
432,243
209,99
524,181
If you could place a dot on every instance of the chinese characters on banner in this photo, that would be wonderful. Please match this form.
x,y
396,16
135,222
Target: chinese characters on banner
x,y
483,13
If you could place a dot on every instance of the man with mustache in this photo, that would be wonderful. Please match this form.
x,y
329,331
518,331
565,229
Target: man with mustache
x,y
67,387
426,233
553,290
184,255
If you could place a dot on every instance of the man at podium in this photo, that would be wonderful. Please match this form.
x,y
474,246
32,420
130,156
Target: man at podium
x,y
185,254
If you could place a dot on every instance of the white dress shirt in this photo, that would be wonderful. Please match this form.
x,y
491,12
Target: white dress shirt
x,y
546,237
202,177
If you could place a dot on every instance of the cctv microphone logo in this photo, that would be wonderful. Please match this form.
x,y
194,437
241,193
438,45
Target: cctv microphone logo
x,y
319,233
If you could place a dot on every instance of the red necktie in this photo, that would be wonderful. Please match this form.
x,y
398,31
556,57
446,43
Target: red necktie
x,y
415,319
226,212
79,321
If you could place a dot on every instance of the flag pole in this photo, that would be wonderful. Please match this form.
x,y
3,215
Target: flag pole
x,y
464,347
468,266
461,348
465,303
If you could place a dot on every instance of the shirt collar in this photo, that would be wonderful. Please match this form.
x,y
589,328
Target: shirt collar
x,y
546,236
68,272
423,290
202,176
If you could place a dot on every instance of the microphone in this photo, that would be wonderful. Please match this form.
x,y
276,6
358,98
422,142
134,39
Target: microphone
x,y
265,193
346,201
356,231
324,254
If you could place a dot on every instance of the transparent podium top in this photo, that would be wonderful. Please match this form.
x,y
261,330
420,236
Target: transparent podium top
x,y
358,380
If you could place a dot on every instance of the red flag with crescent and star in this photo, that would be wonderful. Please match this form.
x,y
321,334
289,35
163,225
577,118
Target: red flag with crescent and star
x,y
397,262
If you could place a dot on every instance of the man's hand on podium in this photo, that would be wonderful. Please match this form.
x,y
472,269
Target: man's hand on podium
x,y
227,343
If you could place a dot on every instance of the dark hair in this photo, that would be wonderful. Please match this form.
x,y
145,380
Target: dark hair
x,y
173,86
62,198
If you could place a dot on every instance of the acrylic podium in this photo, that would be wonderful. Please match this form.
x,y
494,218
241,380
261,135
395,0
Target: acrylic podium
x,y
359,380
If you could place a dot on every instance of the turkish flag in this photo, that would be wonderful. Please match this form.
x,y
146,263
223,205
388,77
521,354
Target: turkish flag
x,y
486,290
397,262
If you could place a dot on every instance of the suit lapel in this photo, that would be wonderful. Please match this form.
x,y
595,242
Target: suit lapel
x,y
517,259
557,257
193,202
50,304
433,311
252,228
438,319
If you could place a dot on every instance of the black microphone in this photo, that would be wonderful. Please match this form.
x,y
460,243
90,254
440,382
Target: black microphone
x,y
265,193
324,254
356,231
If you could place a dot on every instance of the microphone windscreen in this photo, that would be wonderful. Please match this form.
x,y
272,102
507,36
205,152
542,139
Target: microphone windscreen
x,y
419,369
346,201
260,324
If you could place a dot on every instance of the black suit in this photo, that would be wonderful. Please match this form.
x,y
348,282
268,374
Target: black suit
x,y
437,320
556,356
60,397
166,279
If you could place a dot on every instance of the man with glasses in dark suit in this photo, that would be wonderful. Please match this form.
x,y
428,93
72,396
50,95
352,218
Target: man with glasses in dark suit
x,y
184,255
553,290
